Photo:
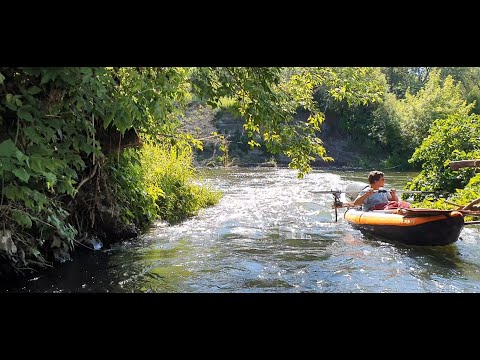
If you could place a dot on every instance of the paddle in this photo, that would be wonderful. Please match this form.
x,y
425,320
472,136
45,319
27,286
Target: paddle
x,y
380,190
355,188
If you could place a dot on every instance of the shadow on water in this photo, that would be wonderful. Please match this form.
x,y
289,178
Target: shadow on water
x,y
126,267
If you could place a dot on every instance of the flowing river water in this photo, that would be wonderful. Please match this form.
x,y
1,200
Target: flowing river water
x,y
270,233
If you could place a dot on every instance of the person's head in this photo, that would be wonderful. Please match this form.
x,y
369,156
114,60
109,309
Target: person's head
x,y
375,176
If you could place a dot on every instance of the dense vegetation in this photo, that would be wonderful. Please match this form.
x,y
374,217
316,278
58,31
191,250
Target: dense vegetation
x,y
64,175
99,152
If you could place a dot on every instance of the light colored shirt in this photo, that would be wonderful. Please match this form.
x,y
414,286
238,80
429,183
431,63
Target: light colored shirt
x,y
376,198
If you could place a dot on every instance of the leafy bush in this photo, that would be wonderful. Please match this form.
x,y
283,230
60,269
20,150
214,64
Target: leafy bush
x,y
157,182
450,139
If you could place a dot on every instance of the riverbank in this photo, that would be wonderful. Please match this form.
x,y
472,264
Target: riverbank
x,y
201,121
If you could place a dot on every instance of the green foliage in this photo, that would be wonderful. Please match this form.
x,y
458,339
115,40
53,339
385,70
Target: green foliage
x,y
45,139
156,182
435,101
227,103
474,97
468,77
56,126
372,130
151,99
268,100
461,197
385,127
450,139
403,80
469,193
398,126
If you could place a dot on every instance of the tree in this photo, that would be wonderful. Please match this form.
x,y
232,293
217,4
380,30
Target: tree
x,y
452,138
436,100
269,98
406,79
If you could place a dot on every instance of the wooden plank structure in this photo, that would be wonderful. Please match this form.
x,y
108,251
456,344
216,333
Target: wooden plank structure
x,y
455,165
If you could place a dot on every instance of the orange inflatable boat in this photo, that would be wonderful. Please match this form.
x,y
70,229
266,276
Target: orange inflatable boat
x,y
426,227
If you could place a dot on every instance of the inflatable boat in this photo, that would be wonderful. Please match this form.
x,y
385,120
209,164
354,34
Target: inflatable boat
x,y
424,227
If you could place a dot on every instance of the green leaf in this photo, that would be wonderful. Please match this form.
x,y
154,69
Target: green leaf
x,y
36,253
22,174
40,198
37,150
46,77
51,178
65,187
55,221
21,157
107,120
12,193
86,71
30,204
34,90
33,135
22,218
2,78
37,164
7,148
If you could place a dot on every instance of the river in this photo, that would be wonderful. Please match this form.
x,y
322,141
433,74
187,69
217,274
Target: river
x,y
269,234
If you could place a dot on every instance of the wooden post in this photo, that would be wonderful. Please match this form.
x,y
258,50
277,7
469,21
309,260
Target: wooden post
x,y
455,165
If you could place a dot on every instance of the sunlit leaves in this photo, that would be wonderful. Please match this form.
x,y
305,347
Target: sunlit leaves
x,y
436,100
452,138
51,179
156,181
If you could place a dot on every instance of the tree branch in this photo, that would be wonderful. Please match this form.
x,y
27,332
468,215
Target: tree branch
x,y
89,177
469,206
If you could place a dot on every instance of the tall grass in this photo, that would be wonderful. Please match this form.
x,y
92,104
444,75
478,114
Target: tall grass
x,y
156,182
225,103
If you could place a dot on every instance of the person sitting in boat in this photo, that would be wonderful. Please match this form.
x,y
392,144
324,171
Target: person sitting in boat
x,y
375,197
